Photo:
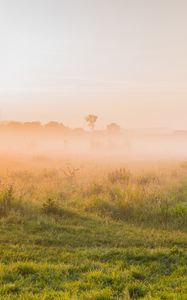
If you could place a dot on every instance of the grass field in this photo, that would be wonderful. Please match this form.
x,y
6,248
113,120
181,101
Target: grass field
x,y
92,230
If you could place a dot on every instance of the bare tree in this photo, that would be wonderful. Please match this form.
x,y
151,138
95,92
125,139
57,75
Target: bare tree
x,y
91,120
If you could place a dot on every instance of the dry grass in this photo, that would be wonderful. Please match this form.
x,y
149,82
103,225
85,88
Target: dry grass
x,y
75,228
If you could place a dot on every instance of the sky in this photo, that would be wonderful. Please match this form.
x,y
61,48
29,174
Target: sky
x,y
123,60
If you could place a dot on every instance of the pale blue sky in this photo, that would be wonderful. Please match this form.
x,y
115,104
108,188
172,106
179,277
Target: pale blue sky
x,y
124,60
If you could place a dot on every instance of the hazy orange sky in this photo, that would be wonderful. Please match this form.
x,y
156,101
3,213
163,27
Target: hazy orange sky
x,y
124,60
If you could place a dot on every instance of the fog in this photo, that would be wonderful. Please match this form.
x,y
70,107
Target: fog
x,y
126,145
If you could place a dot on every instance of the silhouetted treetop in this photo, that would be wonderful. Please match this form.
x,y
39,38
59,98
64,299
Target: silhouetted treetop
x,y
91,120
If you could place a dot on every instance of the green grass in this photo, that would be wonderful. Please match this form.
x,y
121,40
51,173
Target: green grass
x,y
88,258
123,237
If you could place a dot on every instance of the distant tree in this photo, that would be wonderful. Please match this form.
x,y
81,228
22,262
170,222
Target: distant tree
x,y
32,125
53,125
113,128
91,120
14,125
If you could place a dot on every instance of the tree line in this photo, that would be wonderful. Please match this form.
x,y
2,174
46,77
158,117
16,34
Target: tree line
x,y
90,119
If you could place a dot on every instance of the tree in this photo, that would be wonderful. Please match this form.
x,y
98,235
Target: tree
x,y
53,125
32,125
14,125
113,128
91,120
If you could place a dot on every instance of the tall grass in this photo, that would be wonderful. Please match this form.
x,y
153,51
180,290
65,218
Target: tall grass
x,y
103,232
147,197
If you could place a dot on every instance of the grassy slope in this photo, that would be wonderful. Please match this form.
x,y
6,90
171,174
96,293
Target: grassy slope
x,y
86,252
90,258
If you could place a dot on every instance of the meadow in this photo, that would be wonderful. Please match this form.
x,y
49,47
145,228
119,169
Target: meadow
x,y
77,228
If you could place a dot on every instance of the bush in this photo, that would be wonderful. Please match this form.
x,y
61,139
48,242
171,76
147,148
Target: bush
x,y
6,200
50,207
9,204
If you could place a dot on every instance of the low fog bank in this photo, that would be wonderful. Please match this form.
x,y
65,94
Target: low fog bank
x,y
127,145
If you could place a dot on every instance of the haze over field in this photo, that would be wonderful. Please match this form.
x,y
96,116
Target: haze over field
x,y
93,149
122,60
56,140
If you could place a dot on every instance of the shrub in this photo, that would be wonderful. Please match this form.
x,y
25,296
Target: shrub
x,y
6,200
50,207
9,204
